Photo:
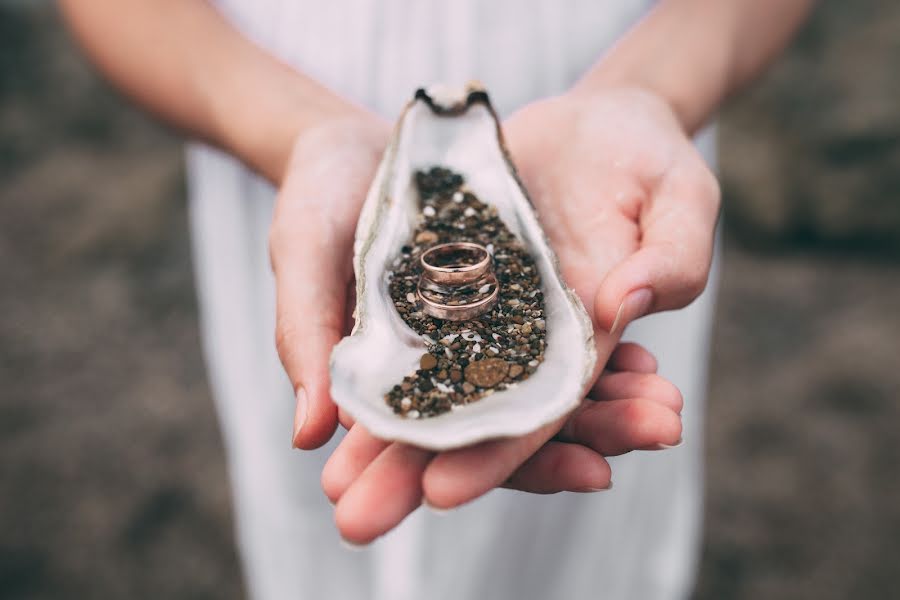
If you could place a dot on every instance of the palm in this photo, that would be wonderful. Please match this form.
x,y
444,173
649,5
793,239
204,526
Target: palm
x,y
624,197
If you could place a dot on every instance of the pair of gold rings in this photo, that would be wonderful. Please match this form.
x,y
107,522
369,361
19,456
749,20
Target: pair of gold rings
x,y
457,281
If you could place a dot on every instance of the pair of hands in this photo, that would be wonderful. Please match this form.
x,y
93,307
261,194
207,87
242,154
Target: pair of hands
x,y
630,208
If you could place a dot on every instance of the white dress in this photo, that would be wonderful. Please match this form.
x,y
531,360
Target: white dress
x,y
639,541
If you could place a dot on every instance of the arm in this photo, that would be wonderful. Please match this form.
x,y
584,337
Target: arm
x,y
696,53
182,61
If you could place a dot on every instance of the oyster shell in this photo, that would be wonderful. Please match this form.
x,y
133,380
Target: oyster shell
x,y
458,130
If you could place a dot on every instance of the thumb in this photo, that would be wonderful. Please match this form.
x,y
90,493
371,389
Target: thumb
x,y
311,278
671,266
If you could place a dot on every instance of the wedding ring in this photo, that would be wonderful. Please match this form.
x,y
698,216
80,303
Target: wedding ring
x,y
455,263
462,311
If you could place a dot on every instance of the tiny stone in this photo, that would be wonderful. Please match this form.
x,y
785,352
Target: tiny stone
x,y
413,414
458,197
405,403
428,211
541,324
455,375
442,374
406,386
515,371
487,373
427,362
476,348
426,237
482,290
411,298
468,388
469,212
526,328
533,363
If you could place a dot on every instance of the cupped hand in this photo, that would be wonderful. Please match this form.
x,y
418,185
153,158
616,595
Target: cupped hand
x,y
311,250
630,207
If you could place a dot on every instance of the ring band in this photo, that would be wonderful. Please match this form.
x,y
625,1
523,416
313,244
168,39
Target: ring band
x,y
445,263
459,312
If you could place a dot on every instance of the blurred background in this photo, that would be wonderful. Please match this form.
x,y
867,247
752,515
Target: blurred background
x,y
112,478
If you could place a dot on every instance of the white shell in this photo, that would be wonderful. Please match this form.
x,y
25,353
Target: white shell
x,y
462,133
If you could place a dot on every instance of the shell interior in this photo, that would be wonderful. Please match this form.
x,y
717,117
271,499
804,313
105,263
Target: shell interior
x,y
462,134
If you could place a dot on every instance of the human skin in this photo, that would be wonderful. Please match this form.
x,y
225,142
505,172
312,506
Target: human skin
x,y
626,202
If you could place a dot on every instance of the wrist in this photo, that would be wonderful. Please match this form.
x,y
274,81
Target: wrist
x,y
263,132
361,130
691,101
259,106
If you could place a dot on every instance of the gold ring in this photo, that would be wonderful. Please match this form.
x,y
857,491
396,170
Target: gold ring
x,y
458,312
456,262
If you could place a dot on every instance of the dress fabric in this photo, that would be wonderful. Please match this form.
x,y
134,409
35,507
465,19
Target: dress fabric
x,y
638,541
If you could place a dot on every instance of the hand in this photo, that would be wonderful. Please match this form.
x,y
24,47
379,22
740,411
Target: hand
x,y
311,248
376,484
630,208
628,203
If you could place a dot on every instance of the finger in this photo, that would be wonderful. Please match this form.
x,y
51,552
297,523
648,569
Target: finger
x,y
622,386
387,491
559,467
345,419
311,275
349,460
620,426
458,476
629,356
671,267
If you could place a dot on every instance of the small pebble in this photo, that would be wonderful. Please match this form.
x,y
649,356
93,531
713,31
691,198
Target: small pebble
x,y
426,237
487,373
427,362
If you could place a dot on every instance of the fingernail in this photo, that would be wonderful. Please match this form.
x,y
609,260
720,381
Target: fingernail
x,y
590,490
299,415
438,511
666,446
353,547
635,305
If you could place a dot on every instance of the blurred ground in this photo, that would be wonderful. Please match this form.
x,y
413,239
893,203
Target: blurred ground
x,y
112,480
